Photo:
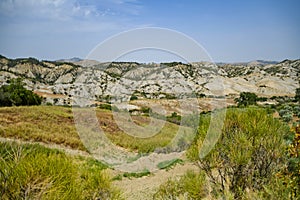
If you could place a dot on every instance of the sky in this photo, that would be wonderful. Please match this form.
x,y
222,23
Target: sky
x,y
228,30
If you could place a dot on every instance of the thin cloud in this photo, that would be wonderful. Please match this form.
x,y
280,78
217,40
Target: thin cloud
x,y
67,9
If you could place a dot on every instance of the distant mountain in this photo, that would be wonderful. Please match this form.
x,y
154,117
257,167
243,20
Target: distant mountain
x,y
74,59
254,62
264,62
59,81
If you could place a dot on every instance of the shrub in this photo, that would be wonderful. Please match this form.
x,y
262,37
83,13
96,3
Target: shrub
x,y
297,111
201,95
174,118
262,99
105,106
287,117
286,183
16,95
246,99
248,153
286,113
170,96
146,110
133,97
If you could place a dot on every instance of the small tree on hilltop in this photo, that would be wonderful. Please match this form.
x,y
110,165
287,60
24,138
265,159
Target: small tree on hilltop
x,y
246,99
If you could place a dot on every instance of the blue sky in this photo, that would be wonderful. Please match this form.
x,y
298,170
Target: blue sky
x,y
229,30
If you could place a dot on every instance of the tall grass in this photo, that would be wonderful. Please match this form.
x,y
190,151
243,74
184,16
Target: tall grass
x,y
36,172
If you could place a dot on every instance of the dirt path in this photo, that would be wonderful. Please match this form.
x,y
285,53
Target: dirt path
x,y
134,188
144,187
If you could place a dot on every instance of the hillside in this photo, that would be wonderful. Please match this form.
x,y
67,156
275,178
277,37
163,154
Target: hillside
x,y
55,125
59,82
52,129
49,149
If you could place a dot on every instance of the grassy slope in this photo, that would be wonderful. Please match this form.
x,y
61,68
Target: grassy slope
x,y
49,124
53,124
35,172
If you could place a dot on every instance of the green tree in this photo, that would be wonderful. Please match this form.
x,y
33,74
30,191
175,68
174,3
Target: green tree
x,y
246,99
15,94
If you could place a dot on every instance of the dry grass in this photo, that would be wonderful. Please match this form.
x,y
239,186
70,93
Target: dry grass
x,y
54,124
48,124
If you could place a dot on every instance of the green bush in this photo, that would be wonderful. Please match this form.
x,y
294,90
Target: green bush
x,y
16,95
246,99
286,113
297,111
174,118
287,117
36,172
248,153
105,106
133,97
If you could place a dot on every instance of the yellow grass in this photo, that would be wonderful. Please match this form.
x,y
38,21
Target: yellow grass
x,y
54,124
49,124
